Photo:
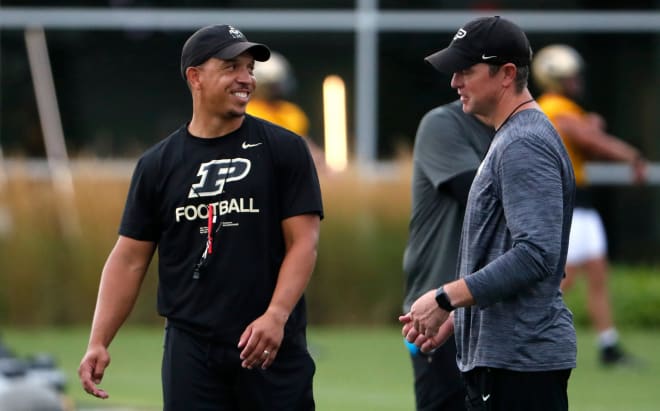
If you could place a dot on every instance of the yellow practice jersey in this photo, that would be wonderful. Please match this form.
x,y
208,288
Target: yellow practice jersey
x,y
556,105
282,113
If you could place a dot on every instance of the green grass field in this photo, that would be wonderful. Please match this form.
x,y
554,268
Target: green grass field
x,y
358,369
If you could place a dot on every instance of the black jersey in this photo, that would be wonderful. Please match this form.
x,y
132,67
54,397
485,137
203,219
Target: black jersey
x,y
252,179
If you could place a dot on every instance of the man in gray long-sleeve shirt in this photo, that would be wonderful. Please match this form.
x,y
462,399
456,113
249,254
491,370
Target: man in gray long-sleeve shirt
x,y
514,335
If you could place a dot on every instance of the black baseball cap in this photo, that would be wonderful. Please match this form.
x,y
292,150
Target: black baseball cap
x,y
221,41
491,40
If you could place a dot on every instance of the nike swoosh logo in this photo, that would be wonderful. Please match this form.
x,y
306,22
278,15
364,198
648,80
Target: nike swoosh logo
x,y
485,397
245,145
485,57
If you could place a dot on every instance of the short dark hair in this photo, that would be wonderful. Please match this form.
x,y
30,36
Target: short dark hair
x,y
522,75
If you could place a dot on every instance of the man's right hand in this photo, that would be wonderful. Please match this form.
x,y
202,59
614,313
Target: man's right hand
x,y
91,370
426,344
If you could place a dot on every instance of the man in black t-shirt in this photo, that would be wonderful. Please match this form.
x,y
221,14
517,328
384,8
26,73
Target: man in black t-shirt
x,y
449,147
233,205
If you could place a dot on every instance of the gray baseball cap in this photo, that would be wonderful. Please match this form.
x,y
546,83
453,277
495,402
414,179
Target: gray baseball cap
x,y
220,41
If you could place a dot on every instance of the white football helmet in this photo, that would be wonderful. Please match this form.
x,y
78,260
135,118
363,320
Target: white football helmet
x,y
274,73
554,63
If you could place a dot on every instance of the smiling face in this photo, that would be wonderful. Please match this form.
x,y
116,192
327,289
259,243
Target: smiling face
x,y
478,88
222,88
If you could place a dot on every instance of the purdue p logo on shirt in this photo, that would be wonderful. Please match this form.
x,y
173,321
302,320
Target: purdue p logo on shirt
x,y
214,174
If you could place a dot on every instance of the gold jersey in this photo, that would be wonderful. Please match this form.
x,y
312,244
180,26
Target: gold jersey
x,y
556,105
282,113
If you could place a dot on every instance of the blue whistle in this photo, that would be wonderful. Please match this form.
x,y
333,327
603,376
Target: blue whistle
x,y
414,350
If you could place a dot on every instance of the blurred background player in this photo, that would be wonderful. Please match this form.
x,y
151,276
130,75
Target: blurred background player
x,y
449,147
558,70
270,101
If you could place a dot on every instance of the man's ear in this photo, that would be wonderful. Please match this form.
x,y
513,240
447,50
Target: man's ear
x,y
509,70
192,76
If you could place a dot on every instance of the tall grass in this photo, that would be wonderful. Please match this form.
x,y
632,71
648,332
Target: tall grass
x,y
358,276
48,278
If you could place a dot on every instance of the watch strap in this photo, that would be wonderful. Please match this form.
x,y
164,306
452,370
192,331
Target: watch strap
x,y
442,299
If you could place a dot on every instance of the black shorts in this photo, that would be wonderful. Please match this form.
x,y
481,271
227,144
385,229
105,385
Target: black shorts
x,y
201,375
494,389
438,382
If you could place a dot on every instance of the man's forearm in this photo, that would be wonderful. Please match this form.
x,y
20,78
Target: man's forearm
x,y
294,275
120,284
459,294
301,235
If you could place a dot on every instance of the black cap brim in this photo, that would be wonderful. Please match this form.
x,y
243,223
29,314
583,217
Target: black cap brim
x,y
449,60
259,51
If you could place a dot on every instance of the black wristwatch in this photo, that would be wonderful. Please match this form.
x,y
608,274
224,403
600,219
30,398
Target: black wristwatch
x,y
442,299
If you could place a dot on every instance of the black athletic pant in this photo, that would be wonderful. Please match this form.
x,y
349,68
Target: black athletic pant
x,y
438,382
494,389
199,375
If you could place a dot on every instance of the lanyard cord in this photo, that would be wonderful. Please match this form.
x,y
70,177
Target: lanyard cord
x,y
211,219
513,112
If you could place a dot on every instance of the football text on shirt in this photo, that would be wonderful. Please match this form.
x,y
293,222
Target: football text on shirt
x,y
200,211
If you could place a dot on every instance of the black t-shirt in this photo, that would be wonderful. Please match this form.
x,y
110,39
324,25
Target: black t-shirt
x,y
448,143
253,178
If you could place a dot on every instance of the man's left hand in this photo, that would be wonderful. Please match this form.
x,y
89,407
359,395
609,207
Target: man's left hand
x,y
261,340
426,316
